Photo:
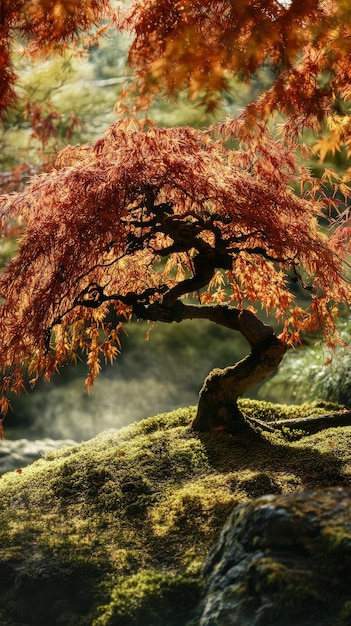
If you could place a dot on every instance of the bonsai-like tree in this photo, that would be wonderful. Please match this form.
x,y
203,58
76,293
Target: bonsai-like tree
x,y
173,224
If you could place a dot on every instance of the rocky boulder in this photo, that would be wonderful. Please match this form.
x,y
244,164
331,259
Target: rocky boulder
x,y
282,560
16,454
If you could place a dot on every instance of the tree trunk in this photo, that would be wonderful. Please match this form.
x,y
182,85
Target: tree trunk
x,y
217,408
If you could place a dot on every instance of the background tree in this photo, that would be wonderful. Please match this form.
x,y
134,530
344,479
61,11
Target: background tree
x,y
43,47
147,217
44,28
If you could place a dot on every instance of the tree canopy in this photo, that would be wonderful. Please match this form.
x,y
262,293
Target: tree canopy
x,y
178,223
201,45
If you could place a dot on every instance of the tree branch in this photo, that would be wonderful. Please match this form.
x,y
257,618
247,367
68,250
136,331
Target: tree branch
x,y
255,332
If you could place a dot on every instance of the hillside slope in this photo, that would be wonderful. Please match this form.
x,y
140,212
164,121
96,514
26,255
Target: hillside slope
x,y
115,530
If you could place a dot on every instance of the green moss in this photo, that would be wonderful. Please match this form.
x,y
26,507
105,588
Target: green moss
x,y
345,614
115,530
269,411
335,537
293,588
133,600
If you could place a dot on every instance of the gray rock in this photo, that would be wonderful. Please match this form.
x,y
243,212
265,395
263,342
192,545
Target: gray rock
x,y
282,561
15,454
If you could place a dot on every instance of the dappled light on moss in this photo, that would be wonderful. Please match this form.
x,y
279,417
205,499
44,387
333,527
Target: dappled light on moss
x,y
133,600
269,411
203,502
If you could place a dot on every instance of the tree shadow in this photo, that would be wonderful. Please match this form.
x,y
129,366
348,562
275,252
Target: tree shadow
x,y
275,466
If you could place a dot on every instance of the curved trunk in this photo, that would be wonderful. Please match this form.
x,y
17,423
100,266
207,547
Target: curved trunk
x,y
217,408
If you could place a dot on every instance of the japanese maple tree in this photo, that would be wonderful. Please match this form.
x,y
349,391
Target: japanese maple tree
x,y
173,224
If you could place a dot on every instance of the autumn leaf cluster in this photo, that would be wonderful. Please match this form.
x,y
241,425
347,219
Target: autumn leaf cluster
x,y
200,45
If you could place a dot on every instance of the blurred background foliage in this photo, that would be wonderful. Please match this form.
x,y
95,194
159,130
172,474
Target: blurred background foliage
x,y
313,372
148,377
72,101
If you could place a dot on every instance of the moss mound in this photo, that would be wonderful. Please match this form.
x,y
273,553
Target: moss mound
x,y
114,531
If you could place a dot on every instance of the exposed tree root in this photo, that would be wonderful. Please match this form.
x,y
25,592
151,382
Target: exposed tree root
x,y
309,425
314,423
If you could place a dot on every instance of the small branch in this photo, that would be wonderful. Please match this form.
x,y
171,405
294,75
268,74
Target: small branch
x,y
262,252
93,296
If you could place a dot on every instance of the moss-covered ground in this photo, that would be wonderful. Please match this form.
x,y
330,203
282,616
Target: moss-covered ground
x,y
114,531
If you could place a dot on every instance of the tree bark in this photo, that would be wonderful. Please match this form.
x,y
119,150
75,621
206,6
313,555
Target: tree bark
x,y
217,408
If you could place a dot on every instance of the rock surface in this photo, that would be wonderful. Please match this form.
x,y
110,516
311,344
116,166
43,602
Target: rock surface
x,y
16,454
282,561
